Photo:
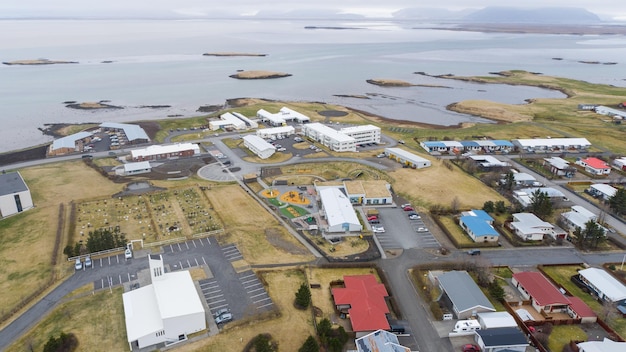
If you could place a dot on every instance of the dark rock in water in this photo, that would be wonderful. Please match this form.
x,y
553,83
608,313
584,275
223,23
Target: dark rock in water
x,y
69,102
92,106
107,61
105,101
209,108
175,115
240,70
557,58
155,106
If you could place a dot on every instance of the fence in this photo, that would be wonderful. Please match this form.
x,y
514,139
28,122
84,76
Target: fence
x,y
168,241
119,249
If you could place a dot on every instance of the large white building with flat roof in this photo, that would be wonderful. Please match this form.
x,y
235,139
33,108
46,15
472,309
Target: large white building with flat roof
x,y
330,137
551,144
227,120
363,134
407,158
166,151
338,211
259,146
282,131
14,194
166,311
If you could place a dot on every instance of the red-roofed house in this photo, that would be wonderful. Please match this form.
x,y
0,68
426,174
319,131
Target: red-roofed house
x,y
546,298
595,166
363,298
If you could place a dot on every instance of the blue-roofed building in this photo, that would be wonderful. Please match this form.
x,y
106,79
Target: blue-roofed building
x,y
479,226
380,341
470,146
69,144
134,134
433,146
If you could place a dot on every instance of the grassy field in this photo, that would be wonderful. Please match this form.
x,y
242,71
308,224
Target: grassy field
x,y
290,329
27,240
248,225
563,334
455,230
96,320
439,185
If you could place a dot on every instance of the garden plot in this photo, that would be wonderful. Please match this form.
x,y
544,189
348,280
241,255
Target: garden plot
x,y
129,214
195,210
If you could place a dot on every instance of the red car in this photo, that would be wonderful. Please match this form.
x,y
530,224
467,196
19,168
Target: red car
x,y
408,208
372,217
470,348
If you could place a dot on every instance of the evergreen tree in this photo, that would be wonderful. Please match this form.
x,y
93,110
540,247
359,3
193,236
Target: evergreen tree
x,y
617,203
496,291
500,207
540,204
303,296
488,206
594,234
310,345
324,327
509,181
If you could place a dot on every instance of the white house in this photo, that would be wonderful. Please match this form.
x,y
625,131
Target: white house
x,y
604,285
488,161
281,131
14,194
407,158
529,227
380,341
479,226
605,345
129,169
259,146
607,111
227,120
601,190
578,217
329,137
594,166
338,211
166,311
271,119
363,134
620,163
559,166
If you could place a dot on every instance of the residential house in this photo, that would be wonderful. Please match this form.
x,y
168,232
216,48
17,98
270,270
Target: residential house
x,y
559,166
462,295
620,163
602,191
479,226
577,217
605,345
525,180
488,161
554,194
380,341
363,298
166,311
406,158
594,166
492,320
15,195
501,339
604,285
529,227
129,169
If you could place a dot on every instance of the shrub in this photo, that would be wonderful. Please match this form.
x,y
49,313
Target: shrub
x,y
303,297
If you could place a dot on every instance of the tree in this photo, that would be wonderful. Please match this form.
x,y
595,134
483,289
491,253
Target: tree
x,y
509,181
68,250
496,291
324,327
590,237
262,343
617,203
488,206
64,343
540,204
500,207
310,345
303,296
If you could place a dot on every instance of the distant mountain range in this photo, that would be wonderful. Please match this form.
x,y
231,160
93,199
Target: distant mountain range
x,y
551,15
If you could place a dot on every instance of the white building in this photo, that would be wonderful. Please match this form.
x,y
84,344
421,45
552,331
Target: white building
x,y
167,151
380,341
494,320
363,134
292,115
134,133
166,311
227,120
560,166
329,137
259,146
129,169
529,227
69,144
554,194
601,190
488,161
270,119
338,211
14,194
614,113
604,285
578,217
547,145
249,122
407,158
282,131
620,163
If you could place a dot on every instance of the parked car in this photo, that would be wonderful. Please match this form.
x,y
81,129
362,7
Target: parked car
x,y
374,222
128,254
474,252
422,229
405,205
378,229
78,265
414,214
408,208
381,155
414,217
224,318
372,217
88,262
281,149
470,348
221,311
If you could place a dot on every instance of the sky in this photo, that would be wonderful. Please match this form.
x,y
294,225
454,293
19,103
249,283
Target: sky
x,y
201,8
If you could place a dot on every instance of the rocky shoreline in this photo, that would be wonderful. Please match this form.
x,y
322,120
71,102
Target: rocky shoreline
x,y
37,62
233,54
259,75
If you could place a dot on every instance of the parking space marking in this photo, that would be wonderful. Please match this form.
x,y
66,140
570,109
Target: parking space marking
x,y
180,249
204,261
265,305
208,240
255,284
171,248
194,243
212,302
109,260
245,282
216,308
256,289
196,259
101,262
257,295
212,297
261,300
247,276
188,263
187,244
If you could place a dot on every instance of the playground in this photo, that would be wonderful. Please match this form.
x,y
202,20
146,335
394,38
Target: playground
x,y
290,203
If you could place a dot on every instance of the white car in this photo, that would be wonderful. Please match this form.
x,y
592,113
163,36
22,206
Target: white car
x,y
378,229
78,265
414,217
128,254
422,229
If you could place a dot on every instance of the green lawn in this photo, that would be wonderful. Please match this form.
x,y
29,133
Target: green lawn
x,y
563,334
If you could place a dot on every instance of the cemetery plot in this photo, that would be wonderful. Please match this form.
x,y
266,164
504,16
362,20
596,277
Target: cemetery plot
x,y
194,209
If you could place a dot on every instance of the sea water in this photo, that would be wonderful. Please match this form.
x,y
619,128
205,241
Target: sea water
x,y
160,62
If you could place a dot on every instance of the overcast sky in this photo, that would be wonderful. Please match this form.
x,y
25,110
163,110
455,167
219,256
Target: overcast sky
x,y
370,8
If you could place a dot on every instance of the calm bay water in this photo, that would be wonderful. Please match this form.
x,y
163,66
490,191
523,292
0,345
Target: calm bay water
x,y
160,62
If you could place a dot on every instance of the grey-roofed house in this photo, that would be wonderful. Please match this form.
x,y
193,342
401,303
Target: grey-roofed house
x,y
69,144
134,133
14,194
380,341
462,294
501,339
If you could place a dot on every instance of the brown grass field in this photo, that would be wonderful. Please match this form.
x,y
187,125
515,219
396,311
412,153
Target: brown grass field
x,y
246,224
96,320
440,185
27,240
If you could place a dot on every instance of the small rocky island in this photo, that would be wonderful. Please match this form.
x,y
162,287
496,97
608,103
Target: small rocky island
x,y
232,54
259,75
92,106
38,62
389,82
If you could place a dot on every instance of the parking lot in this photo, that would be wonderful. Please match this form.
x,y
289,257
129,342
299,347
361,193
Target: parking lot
x,y
242,293
402,232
